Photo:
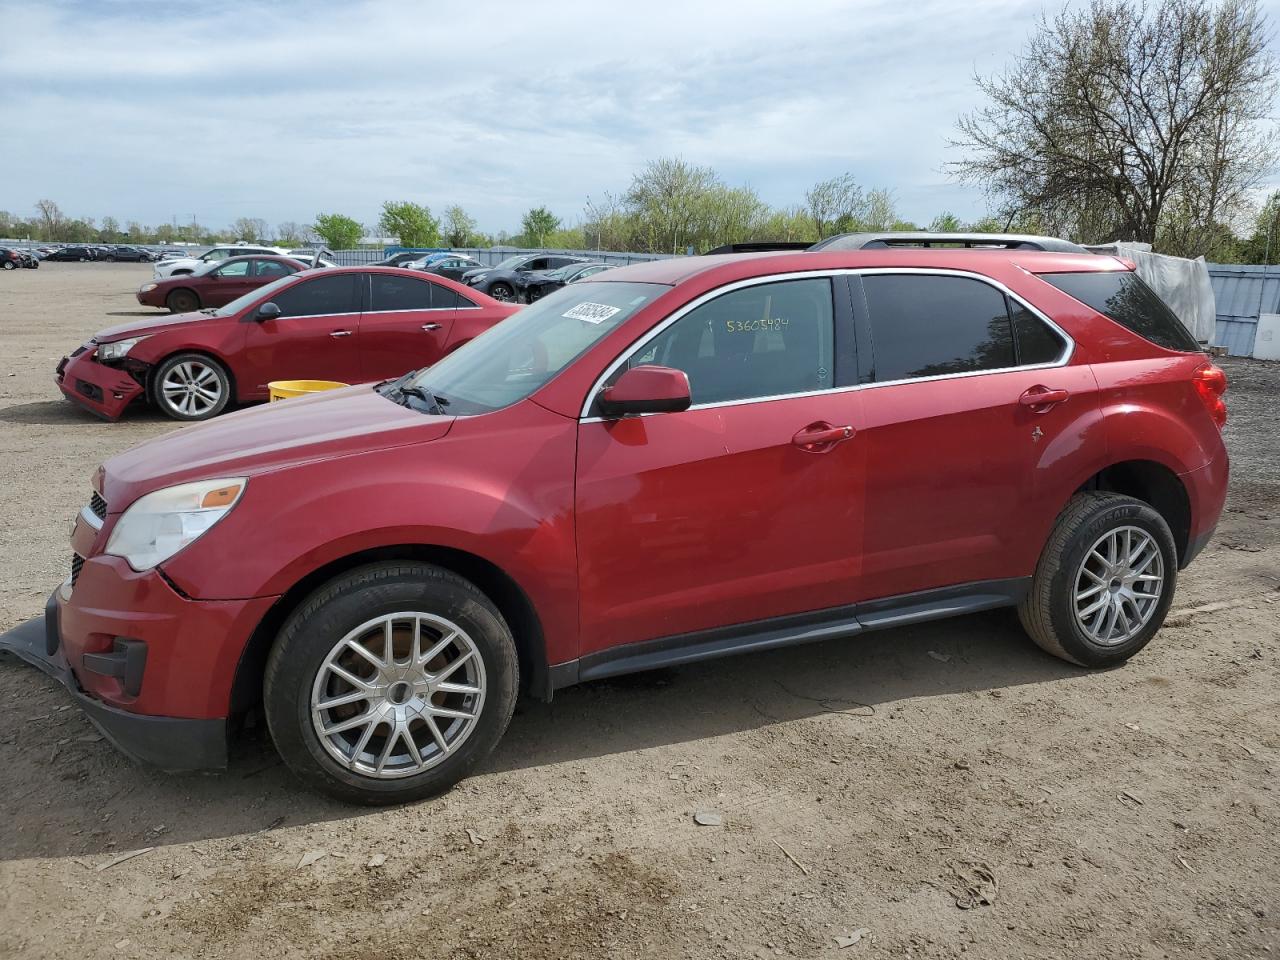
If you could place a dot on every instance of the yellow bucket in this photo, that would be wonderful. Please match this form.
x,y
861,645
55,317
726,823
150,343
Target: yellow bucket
x,y
284,389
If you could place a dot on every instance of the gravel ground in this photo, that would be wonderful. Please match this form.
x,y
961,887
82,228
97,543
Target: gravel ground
x,y
937,791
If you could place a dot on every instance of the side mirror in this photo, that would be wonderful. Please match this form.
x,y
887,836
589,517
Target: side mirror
x,y
268,311
647,389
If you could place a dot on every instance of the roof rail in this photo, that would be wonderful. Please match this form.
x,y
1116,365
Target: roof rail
x,y
978,241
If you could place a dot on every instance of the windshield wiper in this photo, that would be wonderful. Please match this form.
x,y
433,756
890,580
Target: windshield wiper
x,y
437,403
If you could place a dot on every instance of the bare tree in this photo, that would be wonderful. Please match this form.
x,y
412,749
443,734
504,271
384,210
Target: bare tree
x,y
253,229
51,218
831,201
1127,121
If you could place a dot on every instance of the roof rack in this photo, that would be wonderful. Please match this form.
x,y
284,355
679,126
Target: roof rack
x,y
924,239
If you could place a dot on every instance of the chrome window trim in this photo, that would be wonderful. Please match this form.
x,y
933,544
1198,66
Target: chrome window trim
x,y
1063,359
89,517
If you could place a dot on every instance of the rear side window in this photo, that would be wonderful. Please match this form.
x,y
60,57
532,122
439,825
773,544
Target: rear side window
x,y
401,293
1123,297
928,326
321,295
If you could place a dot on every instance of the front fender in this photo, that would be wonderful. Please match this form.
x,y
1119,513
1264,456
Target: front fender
x,y
499,487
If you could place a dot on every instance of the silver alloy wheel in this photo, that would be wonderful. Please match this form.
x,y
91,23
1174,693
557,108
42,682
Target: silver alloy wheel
x,y
1118,585
500,291
191,388
387,701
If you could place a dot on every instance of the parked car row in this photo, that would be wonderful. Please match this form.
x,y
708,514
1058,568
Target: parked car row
x,y
655,465
83,253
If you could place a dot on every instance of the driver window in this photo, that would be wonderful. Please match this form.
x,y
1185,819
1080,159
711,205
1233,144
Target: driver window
x,y
766,340
238,269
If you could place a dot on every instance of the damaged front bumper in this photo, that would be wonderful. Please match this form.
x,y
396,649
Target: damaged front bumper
x,y
174,744
103,391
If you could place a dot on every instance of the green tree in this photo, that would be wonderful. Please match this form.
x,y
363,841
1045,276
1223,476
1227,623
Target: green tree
x,y
337,231
832,201
459,228
536,226
109,232
945,222
412,223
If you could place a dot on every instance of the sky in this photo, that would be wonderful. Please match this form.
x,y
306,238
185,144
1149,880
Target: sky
x,y
145,110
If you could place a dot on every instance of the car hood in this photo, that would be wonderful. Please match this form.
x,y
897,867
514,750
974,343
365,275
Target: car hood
x,y
183,261
147,326
276,436
477,272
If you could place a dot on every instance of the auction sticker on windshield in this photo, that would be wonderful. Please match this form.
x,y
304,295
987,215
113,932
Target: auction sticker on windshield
x,y
591,312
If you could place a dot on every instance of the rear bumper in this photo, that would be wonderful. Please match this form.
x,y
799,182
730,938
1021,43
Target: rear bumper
x,y
102,390
171,743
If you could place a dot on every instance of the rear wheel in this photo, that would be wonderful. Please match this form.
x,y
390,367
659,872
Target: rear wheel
x,y
9,265
1104,582
390,683
182,301
191,386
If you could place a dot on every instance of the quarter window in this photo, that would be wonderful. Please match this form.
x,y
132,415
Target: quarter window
x,y
925,326
1037,341
273,268
766,340
1127,300
321,295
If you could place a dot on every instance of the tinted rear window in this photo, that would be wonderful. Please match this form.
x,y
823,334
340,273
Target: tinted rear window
x,y
928,326
1128,301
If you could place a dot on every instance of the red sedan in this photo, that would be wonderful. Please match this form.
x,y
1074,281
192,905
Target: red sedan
x,y
216,284
352,325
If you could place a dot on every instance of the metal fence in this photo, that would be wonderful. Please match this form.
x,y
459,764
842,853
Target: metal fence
x,y
1242,293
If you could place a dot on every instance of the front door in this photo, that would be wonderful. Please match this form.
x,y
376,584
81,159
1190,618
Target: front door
x,y
316,336
745,507
406,325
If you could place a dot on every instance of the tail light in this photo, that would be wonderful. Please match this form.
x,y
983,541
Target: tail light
x,y
1211,383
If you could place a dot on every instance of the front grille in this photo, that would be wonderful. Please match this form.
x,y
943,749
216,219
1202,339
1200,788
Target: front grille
x,y
77,562
98,506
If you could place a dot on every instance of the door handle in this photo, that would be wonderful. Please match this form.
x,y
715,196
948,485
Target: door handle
x,y
820,437
1042,397
430,326
340,333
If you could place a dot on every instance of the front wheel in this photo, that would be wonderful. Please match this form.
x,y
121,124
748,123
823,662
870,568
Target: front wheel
x,y
1104,582
182,301
503,291
390,683
191,386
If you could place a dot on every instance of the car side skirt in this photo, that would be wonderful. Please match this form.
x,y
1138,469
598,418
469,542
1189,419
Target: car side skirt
x,y
791,630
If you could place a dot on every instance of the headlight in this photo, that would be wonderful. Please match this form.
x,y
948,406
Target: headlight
x,y
160,524
117,349
147,286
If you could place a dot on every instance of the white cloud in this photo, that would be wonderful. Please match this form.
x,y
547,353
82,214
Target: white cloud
x,y
148,111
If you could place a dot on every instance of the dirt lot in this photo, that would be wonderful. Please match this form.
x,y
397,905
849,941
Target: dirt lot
x,y
948,789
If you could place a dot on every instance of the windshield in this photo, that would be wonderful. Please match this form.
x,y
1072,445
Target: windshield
x,y
239,303
510,263
513,359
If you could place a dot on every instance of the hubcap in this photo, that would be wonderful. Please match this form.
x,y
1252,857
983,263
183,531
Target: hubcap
x,y
1119,585
192,388
398,695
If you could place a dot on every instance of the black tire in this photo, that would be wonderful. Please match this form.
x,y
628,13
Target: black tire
x,y
503,291
1048,613
171,406
9,265
182,300
109,259
341,606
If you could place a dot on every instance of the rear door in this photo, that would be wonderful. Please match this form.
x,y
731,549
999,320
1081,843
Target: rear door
x,y
723,513
964,466
316,336
406,324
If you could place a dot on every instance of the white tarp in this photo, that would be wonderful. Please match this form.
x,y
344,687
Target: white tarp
x,y
1183,284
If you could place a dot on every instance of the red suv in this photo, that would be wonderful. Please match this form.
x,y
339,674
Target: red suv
x,y
350,324
664,463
